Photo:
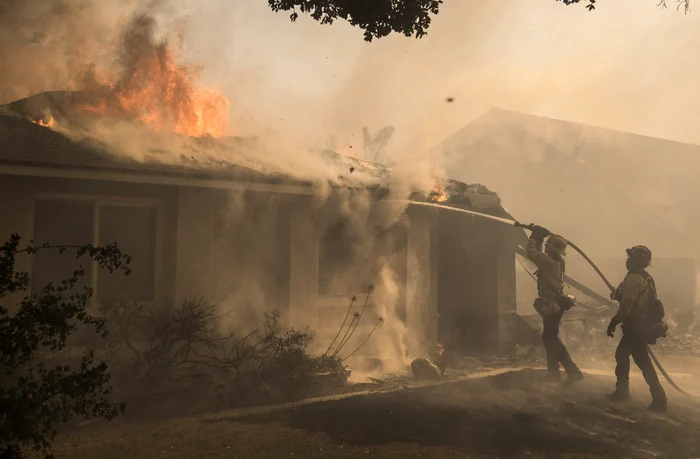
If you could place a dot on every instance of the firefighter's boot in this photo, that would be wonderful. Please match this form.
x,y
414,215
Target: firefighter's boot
x,y
621,394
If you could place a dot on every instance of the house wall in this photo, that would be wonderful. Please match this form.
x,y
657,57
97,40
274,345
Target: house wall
x,y
477,284
207,246
195,243
18,211
457,279
423,278
250,252
210,244
454,290
354,254
304,233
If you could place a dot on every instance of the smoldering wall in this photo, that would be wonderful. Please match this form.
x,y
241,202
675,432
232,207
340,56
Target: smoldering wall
x,y
363,254
361,244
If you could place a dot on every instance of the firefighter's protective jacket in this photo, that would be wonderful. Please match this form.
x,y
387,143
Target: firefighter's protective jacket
x,y
636,297
550,273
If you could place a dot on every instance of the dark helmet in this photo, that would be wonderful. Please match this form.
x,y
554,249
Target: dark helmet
x,y
558,244
640,253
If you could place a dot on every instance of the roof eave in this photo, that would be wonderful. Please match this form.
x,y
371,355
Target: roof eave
x,y
155,179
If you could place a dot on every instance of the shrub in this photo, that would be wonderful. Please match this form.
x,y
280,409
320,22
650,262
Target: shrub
x,y
168,346
36,396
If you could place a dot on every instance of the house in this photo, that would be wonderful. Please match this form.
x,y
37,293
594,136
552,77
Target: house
x,y
605,190
257,240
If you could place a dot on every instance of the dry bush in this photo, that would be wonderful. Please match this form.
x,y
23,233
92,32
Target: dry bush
x,y
179,347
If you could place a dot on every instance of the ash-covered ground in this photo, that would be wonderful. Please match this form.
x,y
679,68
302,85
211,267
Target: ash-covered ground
x,y
483,413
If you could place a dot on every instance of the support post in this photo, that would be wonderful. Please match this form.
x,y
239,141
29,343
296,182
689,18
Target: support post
x,y
422,277
303,275
195,239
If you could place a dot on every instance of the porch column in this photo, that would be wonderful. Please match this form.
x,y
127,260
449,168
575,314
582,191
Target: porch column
x,y
505,290
422,279
195,239
303,267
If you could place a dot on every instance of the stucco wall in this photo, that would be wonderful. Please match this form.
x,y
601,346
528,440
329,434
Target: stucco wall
x,y
17,212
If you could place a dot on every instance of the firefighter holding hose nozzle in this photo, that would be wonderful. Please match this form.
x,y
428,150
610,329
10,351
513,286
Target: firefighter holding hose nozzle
x,y
641,314
551,302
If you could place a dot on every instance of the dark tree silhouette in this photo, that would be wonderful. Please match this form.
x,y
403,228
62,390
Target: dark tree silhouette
x,y
35,395
680,4
590,3
379,18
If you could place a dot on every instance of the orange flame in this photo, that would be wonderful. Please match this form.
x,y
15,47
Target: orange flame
x,y
160,92
437,194
51,122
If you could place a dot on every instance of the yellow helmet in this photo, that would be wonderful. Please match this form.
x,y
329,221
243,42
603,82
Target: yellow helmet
x,y
558,244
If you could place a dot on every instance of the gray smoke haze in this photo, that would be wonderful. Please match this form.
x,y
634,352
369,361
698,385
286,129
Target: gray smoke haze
x,y
541,58
627,66
47,45
314,81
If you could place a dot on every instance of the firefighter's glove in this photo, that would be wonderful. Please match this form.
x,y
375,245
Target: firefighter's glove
x,y
612,327
539,233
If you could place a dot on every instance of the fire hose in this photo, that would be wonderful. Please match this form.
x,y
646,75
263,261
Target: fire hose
x,y
573,246
612,290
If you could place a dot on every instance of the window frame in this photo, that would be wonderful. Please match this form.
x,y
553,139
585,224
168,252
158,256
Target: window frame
x,y
98,201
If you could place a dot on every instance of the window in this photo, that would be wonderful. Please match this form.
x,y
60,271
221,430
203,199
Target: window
x,y
71,222
61,223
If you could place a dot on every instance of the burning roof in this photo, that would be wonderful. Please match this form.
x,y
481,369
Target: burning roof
x,y
27,141
31,143
151,86
170,126
459,194
160,92
29,137
182,129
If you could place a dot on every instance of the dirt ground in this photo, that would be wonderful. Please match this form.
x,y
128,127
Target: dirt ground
x,y
513,414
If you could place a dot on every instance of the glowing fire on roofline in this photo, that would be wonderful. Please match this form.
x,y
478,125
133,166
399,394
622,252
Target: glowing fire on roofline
x,y
49,122
153,88
438,194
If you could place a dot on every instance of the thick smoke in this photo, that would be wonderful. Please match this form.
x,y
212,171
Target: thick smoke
x,y
49,45
307,81
295,86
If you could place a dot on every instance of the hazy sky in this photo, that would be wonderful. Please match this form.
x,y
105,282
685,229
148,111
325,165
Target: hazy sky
x,y
629,65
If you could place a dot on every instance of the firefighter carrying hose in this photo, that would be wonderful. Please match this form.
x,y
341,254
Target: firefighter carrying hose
x,y
551,302
640,314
